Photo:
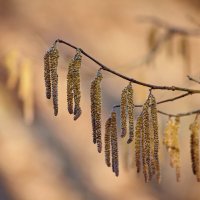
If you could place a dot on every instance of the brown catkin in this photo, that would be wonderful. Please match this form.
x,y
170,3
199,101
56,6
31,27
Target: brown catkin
x,y
114,144
155,136
194,148
146,139
47,75
70,94
130,104
107,141
95,96
53,62
138,138
73,85
93,110
76,84
123,107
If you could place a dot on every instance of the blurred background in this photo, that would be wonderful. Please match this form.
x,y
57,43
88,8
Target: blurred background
x,y
46,157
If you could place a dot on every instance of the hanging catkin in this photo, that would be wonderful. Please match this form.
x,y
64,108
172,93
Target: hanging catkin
x,y
93,109
176,149
95,96
107,141
114,144
130,104
194,145
172,144
151,133
76,84
144,163
123,112
53,63
73,85
47,75
70,95
138,138
167,134
155,136
146,142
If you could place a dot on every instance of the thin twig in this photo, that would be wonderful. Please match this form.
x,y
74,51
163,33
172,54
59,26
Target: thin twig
x,y
105,68
180,114
168,100
192,79
169,114
163,101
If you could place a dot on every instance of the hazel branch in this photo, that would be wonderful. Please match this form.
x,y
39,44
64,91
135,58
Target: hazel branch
x,y
105,68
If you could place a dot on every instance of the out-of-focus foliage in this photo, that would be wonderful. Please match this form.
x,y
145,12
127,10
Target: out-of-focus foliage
x,y
54,158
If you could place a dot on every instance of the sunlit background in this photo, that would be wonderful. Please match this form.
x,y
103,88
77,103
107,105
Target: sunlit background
x,y
43,157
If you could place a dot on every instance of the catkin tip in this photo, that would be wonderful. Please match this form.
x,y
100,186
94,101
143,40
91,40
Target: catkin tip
x,y
129,140
77,113
123,134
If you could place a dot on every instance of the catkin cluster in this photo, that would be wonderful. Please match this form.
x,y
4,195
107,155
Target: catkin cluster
x,y
147,141
127,107
73,85
73,80
194,148
51,76
111,144
172,144
95,97
146,131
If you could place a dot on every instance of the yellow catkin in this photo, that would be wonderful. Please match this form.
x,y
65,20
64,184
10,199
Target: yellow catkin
x,y
152,37
107,141
114,144
138,138
146,141
76,84
25,91
70,95
53,62
155,137
172,144
130,104
167,134
123,107
176,149
194,145
144,163
47,75
12,68
95,96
